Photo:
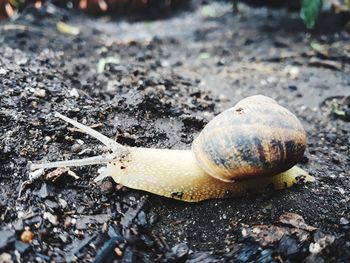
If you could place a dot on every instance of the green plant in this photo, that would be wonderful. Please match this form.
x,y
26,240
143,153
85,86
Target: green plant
x,y
309,11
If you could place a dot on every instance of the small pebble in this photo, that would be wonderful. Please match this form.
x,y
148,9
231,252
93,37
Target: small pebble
x,y
76,147
177,252
3,71
6,238
292,87
74,93
315,248
21,247
41,93
63,203
51,218
27,236
6,258
118,251
223,98
107,186
36,174
344,221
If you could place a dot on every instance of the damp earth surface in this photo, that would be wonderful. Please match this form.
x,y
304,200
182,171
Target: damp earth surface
x,y
156,83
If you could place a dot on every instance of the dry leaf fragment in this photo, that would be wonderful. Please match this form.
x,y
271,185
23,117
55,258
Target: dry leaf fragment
x,y
67,29
264,234
320,48
330,64
296,221
57,173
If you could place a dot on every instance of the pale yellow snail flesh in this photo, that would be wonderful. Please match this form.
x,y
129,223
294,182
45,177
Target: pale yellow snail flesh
x,y
179,174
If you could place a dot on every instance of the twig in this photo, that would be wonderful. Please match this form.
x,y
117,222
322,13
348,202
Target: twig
x,y
14,27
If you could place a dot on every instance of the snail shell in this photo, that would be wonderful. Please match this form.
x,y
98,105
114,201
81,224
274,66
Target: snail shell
x,y
256,137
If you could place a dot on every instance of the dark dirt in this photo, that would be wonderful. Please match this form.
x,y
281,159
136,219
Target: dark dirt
x,y
173,76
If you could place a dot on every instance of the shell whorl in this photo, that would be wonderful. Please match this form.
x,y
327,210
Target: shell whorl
x,y
256,137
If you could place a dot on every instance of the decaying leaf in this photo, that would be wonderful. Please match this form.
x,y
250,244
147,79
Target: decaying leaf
x,y
321,49
264,234
67,29
296,221
337,111
341,109
321,241
208,11
57,173
325,63
203,56
104,61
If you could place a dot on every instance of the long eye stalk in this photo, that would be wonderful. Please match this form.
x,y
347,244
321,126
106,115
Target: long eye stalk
x,y
116,148
102,159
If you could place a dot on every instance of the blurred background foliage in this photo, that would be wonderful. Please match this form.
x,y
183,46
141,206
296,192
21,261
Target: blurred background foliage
x,y
309,9
9,8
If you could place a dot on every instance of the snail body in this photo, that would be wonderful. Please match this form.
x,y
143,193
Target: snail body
x,y
247,148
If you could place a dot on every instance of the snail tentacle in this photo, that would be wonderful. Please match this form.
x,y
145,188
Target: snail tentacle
x,y
112,145
116,148
101,159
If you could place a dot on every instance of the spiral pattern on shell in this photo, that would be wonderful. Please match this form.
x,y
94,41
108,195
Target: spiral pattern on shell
x,y
256,137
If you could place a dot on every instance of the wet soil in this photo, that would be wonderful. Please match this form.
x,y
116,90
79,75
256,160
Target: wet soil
x,y
168,79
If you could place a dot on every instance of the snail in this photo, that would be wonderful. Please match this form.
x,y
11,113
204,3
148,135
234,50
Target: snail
x,y
247,148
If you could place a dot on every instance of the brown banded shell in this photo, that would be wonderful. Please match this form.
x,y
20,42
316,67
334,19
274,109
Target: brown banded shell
x,y
256,137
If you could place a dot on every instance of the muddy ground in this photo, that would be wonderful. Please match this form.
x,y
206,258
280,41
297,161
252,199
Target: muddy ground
x,y
168,79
